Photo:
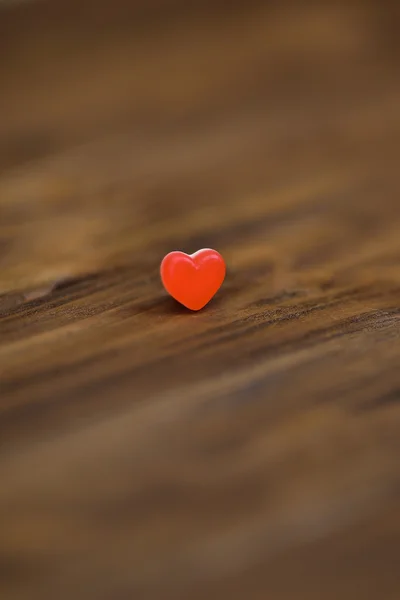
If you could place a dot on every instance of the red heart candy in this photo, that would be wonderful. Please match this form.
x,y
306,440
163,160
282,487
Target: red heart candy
x,y
193,279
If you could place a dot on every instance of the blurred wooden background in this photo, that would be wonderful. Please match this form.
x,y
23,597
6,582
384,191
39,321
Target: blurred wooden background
x,y
249,451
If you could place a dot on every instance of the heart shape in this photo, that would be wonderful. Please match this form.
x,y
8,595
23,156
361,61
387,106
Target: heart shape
x,y
193,279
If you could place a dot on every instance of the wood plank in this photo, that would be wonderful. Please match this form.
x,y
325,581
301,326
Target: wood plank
x,y
250,450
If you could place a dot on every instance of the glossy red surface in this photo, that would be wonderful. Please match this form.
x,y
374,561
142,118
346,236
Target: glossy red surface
x,y
193,279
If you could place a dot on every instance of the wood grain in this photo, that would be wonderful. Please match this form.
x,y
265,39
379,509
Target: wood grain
x,y
248,451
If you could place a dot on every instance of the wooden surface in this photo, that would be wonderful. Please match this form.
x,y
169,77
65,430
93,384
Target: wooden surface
x,y
248,451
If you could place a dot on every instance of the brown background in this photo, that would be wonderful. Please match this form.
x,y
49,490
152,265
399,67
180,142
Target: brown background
x,y
249,451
